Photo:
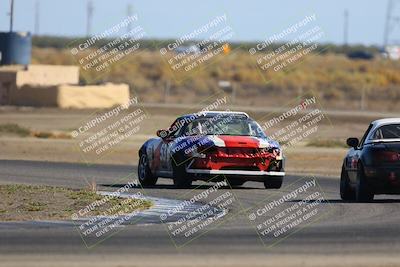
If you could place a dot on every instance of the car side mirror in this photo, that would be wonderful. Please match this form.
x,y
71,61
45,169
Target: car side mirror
x,y
162,133
352,142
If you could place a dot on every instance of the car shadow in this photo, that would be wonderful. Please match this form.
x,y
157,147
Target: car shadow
x,y
206,186
171,186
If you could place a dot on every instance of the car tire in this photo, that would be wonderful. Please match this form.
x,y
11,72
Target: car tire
x,y
363,192
273,182
346,192
146,178
235,182
181,178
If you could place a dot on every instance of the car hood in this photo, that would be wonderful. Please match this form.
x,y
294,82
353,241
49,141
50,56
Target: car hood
x,y
229,141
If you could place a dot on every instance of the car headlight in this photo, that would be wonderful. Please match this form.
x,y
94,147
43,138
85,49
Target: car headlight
x,y
196,154
278,154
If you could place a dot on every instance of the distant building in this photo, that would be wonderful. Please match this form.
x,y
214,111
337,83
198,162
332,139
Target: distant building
x,y
56,86
392,52
192,49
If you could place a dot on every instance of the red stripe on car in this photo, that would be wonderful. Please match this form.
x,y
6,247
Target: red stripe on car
x,y
239,141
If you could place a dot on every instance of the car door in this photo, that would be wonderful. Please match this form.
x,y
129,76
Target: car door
x,y
159,151
165,155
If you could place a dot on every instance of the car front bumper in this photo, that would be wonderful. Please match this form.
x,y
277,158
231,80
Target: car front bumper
x,y
236,172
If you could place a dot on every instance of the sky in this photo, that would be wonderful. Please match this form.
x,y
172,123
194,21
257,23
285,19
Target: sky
x,y
251,20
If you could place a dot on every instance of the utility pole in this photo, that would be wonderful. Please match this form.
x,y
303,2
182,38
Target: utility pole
x,y
346,28
37,17
392,20
387,23
167,89
300,89
90,9
129,13
362,100
11,15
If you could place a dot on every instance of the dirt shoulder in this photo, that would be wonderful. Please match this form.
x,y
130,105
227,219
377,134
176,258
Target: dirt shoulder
x,y
28,202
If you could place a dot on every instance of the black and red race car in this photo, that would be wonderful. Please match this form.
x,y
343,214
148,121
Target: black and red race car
x,y
372,165
222,145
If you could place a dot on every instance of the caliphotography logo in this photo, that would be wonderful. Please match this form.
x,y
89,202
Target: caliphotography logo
x,y
298,123
106,130
199,48
304,37
280,216
205,209
114,45
109,211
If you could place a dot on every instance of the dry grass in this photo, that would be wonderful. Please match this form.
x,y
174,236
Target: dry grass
x,y
327,143
12,129
335,79
52,134
28,202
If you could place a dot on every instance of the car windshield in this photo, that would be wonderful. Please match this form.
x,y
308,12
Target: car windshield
x,y
225,125
391,131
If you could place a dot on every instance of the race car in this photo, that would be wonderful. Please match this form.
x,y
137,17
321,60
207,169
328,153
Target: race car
x,y
372,165
218,145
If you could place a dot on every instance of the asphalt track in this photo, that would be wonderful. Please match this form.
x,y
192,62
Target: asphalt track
x,y
348,230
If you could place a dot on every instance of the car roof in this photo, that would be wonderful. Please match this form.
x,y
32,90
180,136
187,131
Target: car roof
x,y
378,123
214,113
386,121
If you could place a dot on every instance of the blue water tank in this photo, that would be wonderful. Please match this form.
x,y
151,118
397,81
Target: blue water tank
x,y
15,48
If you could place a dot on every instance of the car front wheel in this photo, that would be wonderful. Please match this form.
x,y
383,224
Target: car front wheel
x,y
181,178
145,176
273,182
235,182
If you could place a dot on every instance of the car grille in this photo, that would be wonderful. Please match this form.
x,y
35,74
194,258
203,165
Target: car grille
x,y
240,152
